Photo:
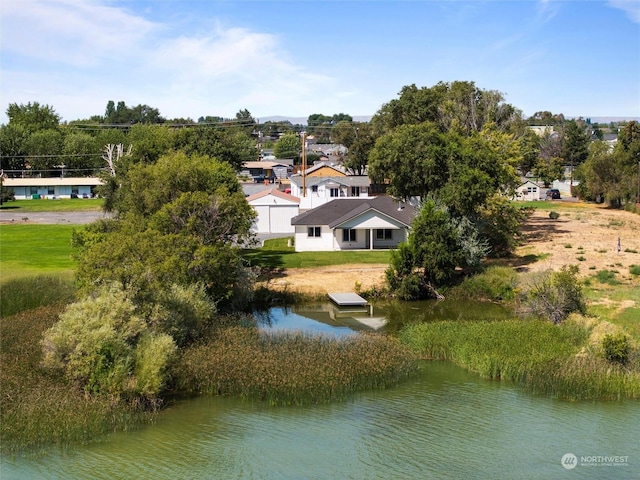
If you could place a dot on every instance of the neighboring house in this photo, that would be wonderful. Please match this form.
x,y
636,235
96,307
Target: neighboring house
x,y
325,169
314,191
275,210
260,170
353,224
529,191
52,187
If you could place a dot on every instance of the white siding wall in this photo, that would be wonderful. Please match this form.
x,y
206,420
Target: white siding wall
x,y
304,243
274,214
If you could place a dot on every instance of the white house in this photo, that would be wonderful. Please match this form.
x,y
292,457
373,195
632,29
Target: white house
x,y
315,191
52,187
528,191
275,210
353,224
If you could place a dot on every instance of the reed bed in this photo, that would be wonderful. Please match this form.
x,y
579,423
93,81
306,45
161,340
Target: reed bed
x,y
25,293
539,356
292,368
38,409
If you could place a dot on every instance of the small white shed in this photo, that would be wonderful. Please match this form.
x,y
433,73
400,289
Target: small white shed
x,y
275,209
528,191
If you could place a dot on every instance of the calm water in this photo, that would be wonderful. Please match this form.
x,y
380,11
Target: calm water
x,y
446,423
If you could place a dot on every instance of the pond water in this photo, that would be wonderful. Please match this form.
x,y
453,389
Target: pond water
x,y
445,423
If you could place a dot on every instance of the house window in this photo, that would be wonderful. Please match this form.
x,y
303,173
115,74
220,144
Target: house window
x,y
532,189
355,191
334,192
34,190
384,233
51,191
348,235
314,188
313,231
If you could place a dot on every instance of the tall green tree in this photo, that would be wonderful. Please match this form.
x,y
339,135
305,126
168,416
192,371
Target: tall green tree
x,y
33,116
359,139
437,244
288,146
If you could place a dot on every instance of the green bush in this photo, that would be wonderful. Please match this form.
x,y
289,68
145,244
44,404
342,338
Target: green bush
x,y
554,215
634,269
100,343
616,348
607,276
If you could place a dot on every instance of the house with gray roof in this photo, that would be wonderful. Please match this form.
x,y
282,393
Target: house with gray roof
x,y
353,224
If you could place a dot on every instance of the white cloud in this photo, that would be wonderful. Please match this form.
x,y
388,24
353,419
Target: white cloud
x,y
86,53
630,7
72,32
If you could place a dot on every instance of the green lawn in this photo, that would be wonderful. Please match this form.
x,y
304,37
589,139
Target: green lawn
x,y
60,205
276,254
34,249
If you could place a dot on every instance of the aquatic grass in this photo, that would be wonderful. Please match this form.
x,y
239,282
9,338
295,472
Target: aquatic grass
x,y
495,283
38,409
25,293
292,368
541,357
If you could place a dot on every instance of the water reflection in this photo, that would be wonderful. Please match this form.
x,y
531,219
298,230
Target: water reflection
x,y
382,316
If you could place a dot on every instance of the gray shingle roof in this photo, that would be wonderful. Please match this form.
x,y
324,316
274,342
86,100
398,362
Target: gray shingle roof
x,y
340,210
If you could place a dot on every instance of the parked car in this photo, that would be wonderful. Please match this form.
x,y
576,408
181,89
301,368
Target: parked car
x,y
553,194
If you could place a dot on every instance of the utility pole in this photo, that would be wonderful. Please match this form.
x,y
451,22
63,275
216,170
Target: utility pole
x,y
304,164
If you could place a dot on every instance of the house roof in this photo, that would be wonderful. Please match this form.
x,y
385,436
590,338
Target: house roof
x,y
320,165
276,193
263,164
340,210
348,181
51,181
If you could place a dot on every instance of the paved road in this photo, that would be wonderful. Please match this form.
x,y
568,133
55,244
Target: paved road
x,y
7,216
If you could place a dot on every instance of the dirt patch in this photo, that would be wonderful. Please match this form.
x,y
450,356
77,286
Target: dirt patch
x,y
334,278
592,237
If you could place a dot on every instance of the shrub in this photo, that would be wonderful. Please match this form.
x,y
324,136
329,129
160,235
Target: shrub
x,y
634,269
607,276
554,215
100,343
552,295
616,348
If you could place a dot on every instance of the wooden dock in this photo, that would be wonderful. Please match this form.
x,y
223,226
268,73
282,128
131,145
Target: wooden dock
x,y
347,299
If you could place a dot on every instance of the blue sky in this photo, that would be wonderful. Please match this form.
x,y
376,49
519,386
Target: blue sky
x,y
295,58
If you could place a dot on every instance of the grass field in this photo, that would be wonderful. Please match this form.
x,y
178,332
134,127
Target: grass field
x,y
35,249
60,205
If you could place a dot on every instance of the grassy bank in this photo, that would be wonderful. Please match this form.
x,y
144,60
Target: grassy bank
x,y
27,293
543,358
292,368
